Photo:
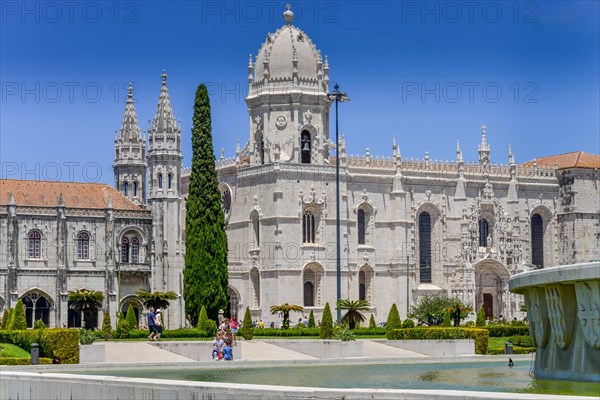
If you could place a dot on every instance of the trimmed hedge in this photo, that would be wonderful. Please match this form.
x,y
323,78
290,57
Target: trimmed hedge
x,y
183,333
481,336
516,350
506,330
22,361
60,344
287,332
377,331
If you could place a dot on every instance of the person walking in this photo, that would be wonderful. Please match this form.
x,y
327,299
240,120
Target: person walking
x,y
158,324
233,324
150,317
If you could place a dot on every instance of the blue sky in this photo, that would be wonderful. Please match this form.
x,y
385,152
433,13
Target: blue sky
x,y
427,72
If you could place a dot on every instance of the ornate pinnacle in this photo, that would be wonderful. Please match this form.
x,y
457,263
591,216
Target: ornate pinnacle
x,y
288,15
164,78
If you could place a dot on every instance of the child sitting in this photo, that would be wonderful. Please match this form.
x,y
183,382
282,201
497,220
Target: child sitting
x,y
227,351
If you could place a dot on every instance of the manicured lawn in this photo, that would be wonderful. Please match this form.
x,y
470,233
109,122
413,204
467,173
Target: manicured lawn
x,y
10,350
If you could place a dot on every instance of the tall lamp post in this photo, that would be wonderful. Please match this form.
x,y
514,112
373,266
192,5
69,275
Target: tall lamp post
x,y
338,97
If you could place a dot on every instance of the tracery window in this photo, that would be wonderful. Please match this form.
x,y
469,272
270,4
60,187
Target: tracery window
x,y
135,250
160,181
169,181
83,246
362,287
135,189
308,228
125,250
537,240
361,226
36,307
309,288
126,188
483,233
425,247
35,244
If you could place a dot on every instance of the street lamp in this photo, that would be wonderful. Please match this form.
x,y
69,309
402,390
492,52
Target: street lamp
x,y
338,97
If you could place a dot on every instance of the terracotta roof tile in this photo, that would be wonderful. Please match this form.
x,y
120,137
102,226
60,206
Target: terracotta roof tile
x,y
576,159
75,194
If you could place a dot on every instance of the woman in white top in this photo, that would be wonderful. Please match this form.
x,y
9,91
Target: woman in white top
x,y
158,323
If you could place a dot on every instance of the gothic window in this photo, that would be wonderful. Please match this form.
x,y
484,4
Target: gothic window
x,y
362,288
425,247
126,188
537,240
125,250
36,307
83,246
73,317
169,181
135,187
160,181
255,281
483,233
308,228
35,244
256,228
309,288
262,151
233,302
361,226
135,250
305,147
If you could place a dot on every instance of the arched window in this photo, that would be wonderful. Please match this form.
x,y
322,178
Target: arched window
x,y
233,303
483,233
83,246
135,250
135,186
36,307
305,147
262,151
362,286
256,228
425,247
537,240
126,188
308,227
73,317
35,244
309,288
361,226
125,250
169,181
160,181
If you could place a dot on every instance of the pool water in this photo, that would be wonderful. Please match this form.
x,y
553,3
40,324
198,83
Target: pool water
x,y
480,376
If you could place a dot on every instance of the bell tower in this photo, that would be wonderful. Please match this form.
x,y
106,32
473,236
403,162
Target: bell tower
x,y
130,156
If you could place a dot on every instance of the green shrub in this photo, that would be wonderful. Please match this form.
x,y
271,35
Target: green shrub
x,y
23,361
131,318
86,336
247,330
408,323
516,322
106,328
372,323
5,319
17,319
311,320
326,323
343,333
206,325
507,330
481,336
292,332
469,323
522,340
393,320
122,331
480,320
39,324
60,344
446,320
377,331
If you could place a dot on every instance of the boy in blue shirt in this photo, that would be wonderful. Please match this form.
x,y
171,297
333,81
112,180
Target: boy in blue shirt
x,y
227,351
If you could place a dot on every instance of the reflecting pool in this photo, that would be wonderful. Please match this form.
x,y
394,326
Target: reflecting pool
x,y
477,376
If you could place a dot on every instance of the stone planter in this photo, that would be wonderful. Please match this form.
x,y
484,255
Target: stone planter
x,y
324,348
92,353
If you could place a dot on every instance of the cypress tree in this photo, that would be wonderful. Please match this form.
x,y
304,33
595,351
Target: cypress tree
x,y
393,320
106,328
311,319
205,275
5,319
446,321
247,330
372,323
326,323
131,319
17,319
480,321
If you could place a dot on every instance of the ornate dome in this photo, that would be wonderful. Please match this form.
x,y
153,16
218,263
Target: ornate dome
x,y
289,53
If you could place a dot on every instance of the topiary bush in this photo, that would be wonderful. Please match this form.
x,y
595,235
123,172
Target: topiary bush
x,y
326,323
372,323
247,330
446,321
507,330
393,320
480,321
17,319
106,327
5,319
206,325
39,324
408,323
122,331
63,344
131,318
481,336
311,320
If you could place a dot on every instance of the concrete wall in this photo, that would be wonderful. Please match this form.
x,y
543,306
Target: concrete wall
x,y
324,348
436,348
50,386
197,350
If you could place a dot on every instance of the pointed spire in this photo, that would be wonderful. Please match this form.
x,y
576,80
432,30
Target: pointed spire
x,y
511,157
130,129
164,121
459,156
250,70
484,147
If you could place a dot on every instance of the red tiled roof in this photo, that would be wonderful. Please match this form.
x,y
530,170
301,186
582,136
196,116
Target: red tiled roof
x,y
576,159
75,194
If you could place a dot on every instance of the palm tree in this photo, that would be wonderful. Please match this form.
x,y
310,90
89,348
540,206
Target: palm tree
x,y
353,307
87,302
285,309
155,299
